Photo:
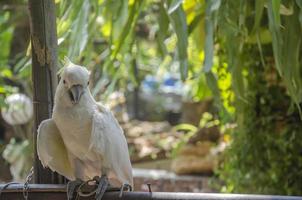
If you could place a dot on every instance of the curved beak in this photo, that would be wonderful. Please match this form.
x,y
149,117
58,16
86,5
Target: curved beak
x,y
75,93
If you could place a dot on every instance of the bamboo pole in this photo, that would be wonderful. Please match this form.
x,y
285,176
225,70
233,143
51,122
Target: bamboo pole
x,y
44,68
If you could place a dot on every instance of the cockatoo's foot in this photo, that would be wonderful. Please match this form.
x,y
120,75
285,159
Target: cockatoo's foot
x,y
123,187
72,187
103,184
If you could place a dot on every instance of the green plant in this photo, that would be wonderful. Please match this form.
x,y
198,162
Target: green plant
x,y
264,155
266,99
207,120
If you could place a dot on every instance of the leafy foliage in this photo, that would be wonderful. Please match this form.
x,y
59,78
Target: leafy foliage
x,y
265,153
266,89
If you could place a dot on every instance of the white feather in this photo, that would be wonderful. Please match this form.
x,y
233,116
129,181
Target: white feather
x,y
90,138
51,149
108,139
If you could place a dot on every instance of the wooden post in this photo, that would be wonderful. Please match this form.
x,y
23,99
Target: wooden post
x,y
43,36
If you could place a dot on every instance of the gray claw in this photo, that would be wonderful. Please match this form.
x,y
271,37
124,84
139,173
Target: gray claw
x,y
103,184
71,188
127,186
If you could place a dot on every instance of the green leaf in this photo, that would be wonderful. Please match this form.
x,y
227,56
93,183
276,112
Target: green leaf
x,y
195,22
299,3
274,26
260,48
127,31
79,31
2,100
22,64
119,13
291,49
259,7
2,90
6,73
128,28
174,5
179,24
163,29
185,127
211,6
212,83
275,6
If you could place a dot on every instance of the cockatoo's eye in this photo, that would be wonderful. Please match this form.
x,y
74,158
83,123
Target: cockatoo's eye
x,y
64,81
88,83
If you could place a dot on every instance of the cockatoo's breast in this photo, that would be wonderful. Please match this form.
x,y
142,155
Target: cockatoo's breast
x,y
74,124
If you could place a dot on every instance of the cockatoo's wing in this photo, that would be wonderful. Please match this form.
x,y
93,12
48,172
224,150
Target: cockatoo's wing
x,y
108,139
51,149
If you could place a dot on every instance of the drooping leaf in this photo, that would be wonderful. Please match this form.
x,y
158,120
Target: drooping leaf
x,y
128,27
127,31
198,18
211,6
212,83
234,31
118,12
209,41
275,7
79,31
274,26
163,29
174,5
291,55
260,48
179,24
259,7
299,3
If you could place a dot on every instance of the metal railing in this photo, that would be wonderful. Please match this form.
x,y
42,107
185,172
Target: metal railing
x,y
58,192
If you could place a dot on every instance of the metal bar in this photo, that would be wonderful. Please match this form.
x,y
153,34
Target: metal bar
x,y
58,192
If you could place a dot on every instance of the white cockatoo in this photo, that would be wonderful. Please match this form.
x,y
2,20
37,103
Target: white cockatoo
x,y
83,139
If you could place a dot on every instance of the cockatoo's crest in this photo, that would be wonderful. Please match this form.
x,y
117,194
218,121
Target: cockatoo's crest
x,y
67,63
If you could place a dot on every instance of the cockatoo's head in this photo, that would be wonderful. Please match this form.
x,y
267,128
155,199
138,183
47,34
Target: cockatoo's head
x,y
74,83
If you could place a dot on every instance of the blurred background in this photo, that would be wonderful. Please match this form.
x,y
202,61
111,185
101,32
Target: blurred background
x,y
208,92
